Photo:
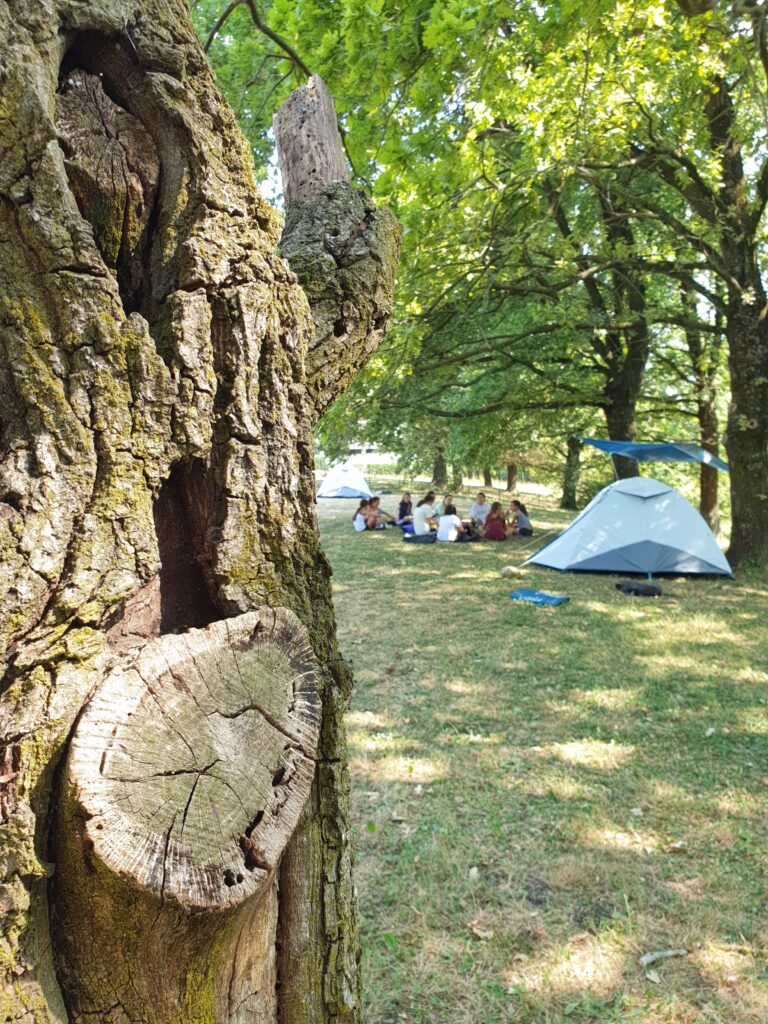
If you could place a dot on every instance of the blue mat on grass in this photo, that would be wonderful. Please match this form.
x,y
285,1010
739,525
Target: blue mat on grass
x,y
538,597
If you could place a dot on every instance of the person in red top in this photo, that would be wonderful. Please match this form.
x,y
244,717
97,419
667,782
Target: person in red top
x,y
495,523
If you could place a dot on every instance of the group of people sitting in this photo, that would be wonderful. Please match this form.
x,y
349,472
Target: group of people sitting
x,y
486,522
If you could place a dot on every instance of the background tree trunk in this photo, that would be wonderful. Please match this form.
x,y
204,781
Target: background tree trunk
x,y
511,476
487,478
571,473
440,470
747,434
704,357
159,379
620,420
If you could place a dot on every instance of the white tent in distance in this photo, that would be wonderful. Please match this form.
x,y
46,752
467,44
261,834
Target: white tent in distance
x,y
637,525
345,481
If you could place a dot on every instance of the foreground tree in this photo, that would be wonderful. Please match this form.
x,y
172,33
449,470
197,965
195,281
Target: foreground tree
x,y
173,781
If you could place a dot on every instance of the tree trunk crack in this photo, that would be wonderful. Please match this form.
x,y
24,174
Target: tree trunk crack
x,y
200,774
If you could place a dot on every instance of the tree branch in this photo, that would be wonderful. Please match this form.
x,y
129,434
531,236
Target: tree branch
x,y
263,27
218,24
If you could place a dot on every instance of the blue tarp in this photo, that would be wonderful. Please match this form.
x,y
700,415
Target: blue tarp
x,y
672,451
538,597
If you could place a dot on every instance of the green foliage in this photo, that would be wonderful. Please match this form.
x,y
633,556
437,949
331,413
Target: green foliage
x,y
485,126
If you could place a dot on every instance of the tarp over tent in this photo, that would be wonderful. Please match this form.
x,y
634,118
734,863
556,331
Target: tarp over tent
x,y
344,481
636,525
669,451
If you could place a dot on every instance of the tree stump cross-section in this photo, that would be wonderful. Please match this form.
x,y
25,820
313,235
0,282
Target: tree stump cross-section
x,y
186,776
192,766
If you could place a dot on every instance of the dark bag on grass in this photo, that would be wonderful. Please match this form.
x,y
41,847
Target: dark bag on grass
x,y
420,538
639,589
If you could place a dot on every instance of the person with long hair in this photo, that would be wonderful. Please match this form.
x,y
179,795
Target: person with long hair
x,y
424,515
404,509
495,523
520,524
450,527
441,506
382,517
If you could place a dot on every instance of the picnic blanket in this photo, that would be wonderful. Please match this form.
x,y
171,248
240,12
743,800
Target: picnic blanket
x,y
537,597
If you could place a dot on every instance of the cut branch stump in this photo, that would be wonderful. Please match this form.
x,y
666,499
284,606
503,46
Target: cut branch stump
x,y
186,777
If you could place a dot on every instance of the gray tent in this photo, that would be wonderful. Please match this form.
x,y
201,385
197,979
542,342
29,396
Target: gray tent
x,y
636,525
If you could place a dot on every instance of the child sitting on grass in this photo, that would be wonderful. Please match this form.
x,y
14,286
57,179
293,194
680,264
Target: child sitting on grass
x,y
495,523
520,524
366,518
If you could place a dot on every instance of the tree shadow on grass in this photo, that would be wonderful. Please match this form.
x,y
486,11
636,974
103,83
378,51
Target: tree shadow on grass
x,y
597,765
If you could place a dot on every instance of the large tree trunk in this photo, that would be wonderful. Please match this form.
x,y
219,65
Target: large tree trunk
x,y
621,352
487,477
627,349
738,217
571,473
511,476
173,781
747,435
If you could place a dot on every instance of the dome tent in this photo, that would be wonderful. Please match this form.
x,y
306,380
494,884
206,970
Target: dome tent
x,y
637,525
344,481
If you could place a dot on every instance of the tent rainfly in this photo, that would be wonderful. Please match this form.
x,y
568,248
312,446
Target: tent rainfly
x,y
636,525
669,451
344,482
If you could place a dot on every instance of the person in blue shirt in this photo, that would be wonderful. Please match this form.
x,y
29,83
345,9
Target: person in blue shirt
x,y
521,524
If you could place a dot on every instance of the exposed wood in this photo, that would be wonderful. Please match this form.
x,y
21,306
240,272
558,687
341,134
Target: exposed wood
x,y
113,169
185,780
177,756
309,147
343,249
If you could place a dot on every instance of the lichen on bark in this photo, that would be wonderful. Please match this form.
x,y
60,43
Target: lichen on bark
x,y
155,376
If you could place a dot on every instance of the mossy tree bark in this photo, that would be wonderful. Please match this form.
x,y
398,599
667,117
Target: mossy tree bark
x,y
171,693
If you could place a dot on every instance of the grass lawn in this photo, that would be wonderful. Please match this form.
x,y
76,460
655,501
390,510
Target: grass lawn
x,y
541,796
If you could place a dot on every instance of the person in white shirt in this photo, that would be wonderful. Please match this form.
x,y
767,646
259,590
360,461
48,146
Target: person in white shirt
x,y
479,510
424,515
450,527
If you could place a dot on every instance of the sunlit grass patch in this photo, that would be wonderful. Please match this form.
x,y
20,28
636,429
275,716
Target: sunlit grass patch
x,y
596,753
540,796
